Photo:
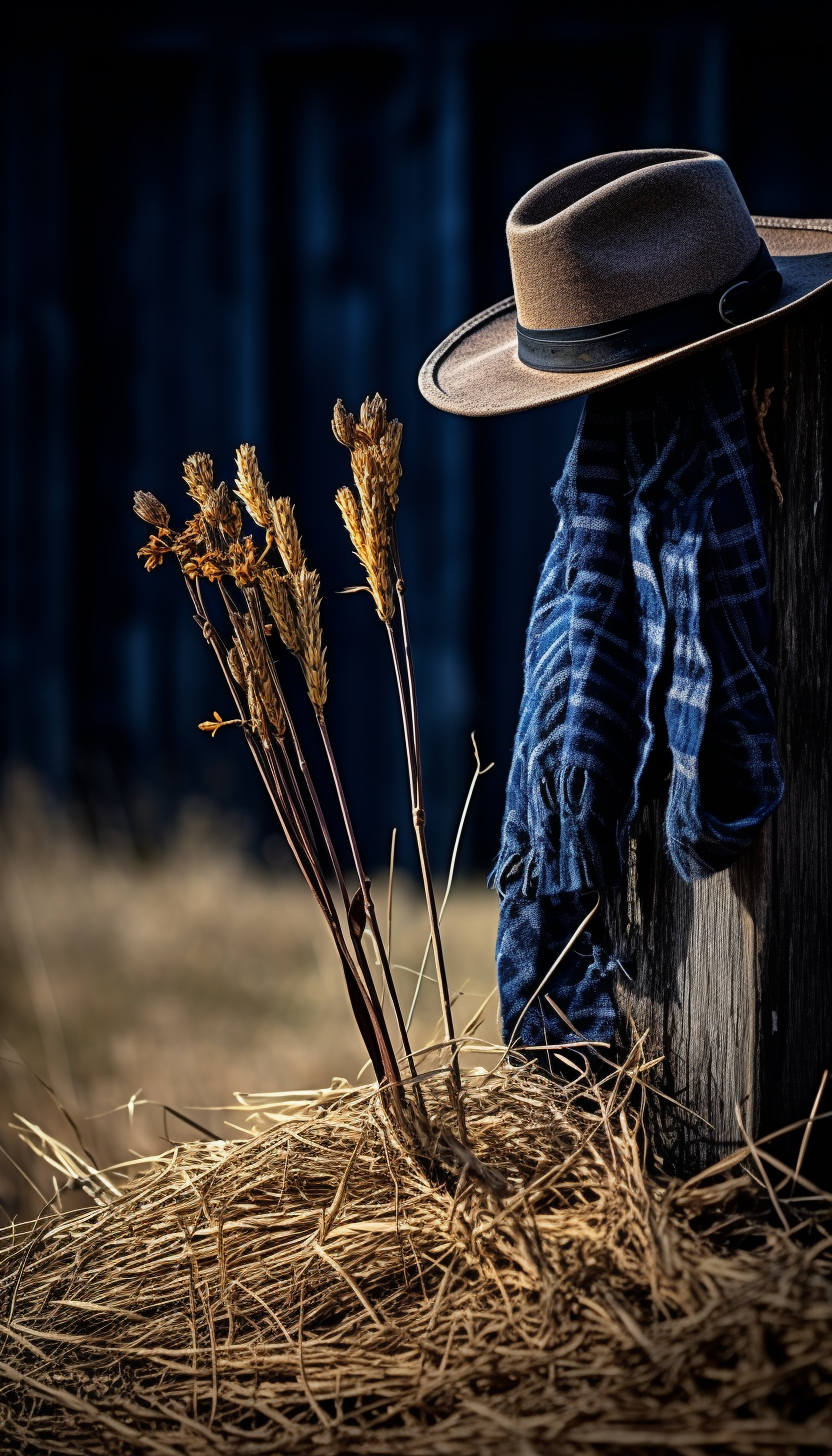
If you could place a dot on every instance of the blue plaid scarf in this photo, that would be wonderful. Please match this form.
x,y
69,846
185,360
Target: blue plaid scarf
x,y
645,658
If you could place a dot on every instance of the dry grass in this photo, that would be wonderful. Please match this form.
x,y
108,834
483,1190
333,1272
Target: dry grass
x,y
312,1278
320,1285
190,976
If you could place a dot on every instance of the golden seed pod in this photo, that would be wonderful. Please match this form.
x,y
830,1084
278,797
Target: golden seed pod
x,y
367,519
286,535
223,513
278,598
351,512
263,701
251,487
374,443
235,667
373,416
149,509
343,425
271,703
389,447
199,476
379,573
256,714
306,586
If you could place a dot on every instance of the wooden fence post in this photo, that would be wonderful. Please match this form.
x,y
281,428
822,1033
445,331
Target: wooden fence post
x,y
733,975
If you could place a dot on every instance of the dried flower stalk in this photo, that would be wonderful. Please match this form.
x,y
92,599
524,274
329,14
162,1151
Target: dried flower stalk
x,y
374,446
211,548
374,443
251,487
277,594
286,535
150,510
251,655
199,477
306,587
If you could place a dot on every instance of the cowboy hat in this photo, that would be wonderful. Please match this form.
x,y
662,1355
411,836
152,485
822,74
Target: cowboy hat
x,y
621,264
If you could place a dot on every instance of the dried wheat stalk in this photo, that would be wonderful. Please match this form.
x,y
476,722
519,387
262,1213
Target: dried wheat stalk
x,y
211,548
374,444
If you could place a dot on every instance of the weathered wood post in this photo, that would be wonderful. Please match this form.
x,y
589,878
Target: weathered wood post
x,y
734,974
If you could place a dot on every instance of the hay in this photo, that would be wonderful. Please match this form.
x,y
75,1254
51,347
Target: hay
x,y
322,1286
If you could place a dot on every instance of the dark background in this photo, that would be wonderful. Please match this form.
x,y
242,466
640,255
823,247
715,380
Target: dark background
x,y
215,221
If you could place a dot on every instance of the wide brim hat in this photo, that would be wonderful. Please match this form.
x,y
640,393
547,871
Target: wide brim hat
x,y
623,264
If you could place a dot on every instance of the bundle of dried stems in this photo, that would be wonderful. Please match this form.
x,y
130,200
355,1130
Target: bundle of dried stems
x,y
319,1286
271,580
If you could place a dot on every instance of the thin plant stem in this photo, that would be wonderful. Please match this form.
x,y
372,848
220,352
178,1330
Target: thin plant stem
x,y
274,780
378,1045
307,861
406,728
369,907
256,614
284,772
804,1143
390,894
296,808
382,1058
478,773
413,749
292,793
539,989
389,913
256,608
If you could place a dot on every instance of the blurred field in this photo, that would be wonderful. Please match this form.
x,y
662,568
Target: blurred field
x,y
190,977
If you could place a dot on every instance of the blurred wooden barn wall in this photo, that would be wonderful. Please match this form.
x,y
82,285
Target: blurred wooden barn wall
x,y
211,230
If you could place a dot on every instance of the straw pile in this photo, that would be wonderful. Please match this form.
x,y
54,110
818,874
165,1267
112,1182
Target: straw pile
x,y
324,1285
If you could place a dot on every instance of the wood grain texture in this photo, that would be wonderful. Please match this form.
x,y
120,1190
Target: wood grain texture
x,y
732,976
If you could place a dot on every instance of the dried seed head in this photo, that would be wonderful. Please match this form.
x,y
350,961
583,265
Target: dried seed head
x,y
389,446
243,562
374,444
263,702
351,512
256,714
221,512
373,417
149,509
343,425
306,586
235,667
199,476
251,487
378,553
367,519
271,703
280,602
367,527
287,538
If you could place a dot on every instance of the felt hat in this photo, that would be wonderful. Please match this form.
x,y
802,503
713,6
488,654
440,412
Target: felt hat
x,y
621,264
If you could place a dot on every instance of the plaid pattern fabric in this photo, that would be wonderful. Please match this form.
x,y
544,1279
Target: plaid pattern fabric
x,y
647,645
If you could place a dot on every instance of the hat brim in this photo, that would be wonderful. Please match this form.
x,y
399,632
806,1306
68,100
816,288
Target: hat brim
x,y
476,371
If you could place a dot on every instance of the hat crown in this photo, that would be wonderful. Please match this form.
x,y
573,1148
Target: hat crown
x,y
625,232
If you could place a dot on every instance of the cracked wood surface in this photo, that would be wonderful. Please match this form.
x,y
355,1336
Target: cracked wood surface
x,y
733,975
